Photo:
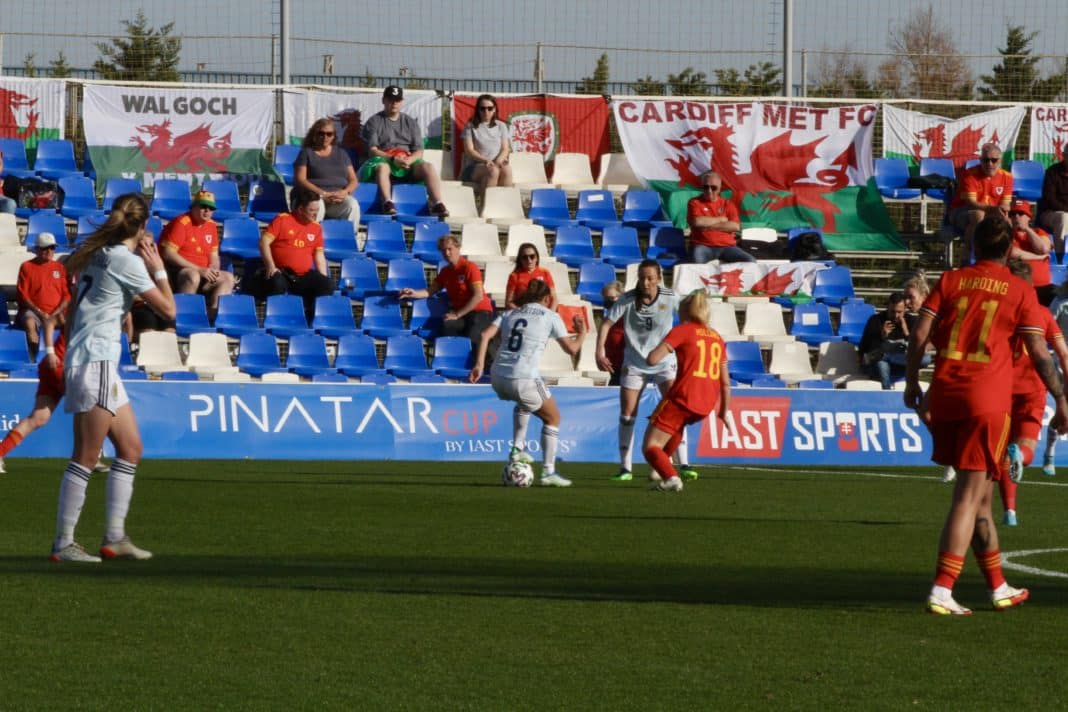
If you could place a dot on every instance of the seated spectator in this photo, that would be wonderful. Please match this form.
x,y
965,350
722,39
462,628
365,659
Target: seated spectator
x,y
915,291
984,189
325,168
486,148
527,269
7,205
43,291
293,256
1053,207
394,144
470,308
615,343
885,341
190,245
713,221
1033,246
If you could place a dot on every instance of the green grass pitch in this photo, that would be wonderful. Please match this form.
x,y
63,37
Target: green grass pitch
x,y
336,585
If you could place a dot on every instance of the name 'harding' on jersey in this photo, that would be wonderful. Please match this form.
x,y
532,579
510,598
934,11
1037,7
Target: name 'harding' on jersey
x,y
645,326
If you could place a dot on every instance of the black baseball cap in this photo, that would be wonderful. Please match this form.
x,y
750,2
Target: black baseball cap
x,y
393,92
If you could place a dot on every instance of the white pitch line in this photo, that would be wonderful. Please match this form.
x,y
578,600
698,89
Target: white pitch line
x,y
891,475
1007,563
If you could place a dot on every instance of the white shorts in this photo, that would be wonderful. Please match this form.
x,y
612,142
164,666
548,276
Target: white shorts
x,y
634,380
530,393
94,384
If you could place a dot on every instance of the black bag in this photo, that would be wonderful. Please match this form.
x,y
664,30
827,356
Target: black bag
x,y
35,193
808,247
933,181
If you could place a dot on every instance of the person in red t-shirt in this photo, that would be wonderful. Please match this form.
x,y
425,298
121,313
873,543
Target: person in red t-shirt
x,y
984,190
713,221
701,387
190,245
43,290
527,268
1034,246
969,317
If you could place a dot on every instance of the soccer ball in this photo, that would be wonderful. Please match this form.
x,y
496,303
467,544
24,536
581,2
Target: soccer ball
x,y
517,474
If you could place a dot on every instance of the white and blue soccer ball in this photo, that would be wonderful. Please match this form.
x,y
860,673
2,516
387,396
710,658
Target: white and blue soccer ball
x,y
517,474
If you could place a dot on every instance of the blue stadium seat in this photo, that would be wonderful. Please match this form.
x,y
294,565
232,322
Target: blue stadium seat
x,y
356,356
452,357
119,186
818,383
359,277
285,316
87,165
240,238
179,376
307,356
410,199
812,324
284,156
619,246
667,245
852,320
266,200
227,200
597,209
425,244
14,352
385,241
642,209
15,163
768,381
329,377
892,177
379,379
405,356
1027,179
46,221
79,196
938,166
88,224
258,354
592,277
833,285
404,272
795,232
192,315
170,198
333,316
382,317
427,315
339,239
1057,272
366,196
55,159
548,208
237,315
745,361
154,226
574,245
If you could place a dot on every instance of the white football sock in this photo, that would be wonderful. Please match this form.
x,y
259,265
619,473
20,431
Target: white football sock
x,y
520,420
550,437
683,451
118,495
71,499
626,443
1051,445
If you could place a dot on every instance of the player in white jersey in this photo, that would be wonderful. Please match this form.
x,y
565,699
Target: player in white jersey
x,y
648,312
524,333
112,265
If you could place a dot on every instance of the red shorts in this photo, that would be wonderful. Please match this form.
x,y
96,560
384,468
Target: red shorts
x,y
671,417
50,382
977,443
1027,410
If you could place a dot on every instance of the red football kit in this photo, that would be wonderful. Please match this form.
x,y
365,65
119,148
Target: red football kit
x,y
518,281
458,282
1028,390
295,243
1040,272
719,207
195,243
985,190
44,284
702,368
50,380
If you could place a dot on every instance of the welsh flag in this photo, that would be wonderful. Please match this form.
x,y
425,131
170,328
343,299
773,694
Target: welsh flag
x,y
302,107
1049,133
32,109
784,165
193,133
912,135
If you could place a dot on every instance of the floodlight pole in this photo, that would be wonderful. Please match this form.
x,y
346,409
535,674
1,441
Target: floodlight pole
x,y
788,48
283,49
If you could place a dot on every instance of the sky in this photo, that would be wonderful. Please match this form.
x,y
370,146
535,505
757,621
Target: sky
x,y
453,38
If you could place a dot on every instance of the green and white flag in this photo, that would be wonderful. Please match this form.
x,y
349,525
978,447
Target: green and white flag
x,y
1049,133
912,135
301,108
193,133
32,109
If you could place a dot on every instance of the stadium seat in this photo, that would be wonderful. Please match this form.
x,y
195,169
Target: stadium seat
x,y
359,277
572,172
329,377
227,200
794,233
764,323
615,173
812,324
838,362
892,177
158,352
307,356
425,243
285,316
46,221
170,198
87,165
404,272
192,315
284,156
862,384
339,239
79,196
209,355
88,224
14,352
528,171
356,356
619,246
9,233
574,245
333,316
452,357
495,281
642,209
555,362
125,358
114,187
179,376
852,320
1057,272
460,199
240,239
15,163
503,206
154,227
410,199
938,166
366,195
480,242
258,354
427,315
592,278
745,361
815,383
385,241
722,318
534,234
667,245
405,356
378,379
1027,179
55,159
266,199
548,208
597,210
833,286
382,317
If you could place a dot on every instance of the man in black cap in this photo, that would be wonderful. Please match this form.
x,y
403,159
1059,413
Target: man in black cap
x,y
394,153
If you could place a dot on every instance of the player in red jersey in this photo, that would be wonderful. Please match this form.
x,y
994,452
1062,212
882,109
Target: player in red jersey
x,y
969,318
701,386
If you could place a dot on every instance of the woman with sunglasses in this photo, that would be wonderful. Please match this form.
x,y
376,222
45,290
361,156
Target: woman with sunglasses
x,y
324,168
527,269
486,147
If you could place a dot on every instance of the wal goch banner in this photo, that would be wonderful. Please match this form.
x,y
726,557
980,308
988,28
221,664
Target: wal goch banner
x,y
541,123
1049,133
912,135
192,133
784,165
32,110
748,278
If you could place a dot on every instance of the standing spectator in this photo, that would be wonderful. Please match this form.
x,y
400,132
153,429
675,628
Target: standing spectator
x,y
985,189
395,153
7,205
470,308
43,290
527,268
324,168
713,221
1053,206
1033,246
515,376
883,344
293,256
190,245
969,317
486,147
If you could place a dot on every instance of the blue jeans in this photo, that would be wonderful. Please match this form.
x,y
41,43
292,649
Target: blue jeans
x,y
703,253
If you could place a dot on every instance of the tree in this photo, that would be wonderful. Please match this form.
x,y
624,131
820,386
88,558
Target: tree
x,y
29,64
648,86
598,83
758,80
841,75
146,53
59,66
927,64
368,79
1016,78
688,83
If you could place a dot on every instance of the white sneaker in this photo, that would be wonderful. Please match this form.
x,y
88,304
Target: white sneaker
x,y
1016,463
74,552
517,455
1006,597
671,484
950,474
123,549
946,606
553,479
1048,469
2,470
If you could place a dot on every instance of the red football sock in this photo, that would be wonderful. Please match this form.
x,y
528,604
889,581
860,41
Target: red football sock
x,y
948,569
660,461
990,565
1008,492
673,444
1028,453
10,442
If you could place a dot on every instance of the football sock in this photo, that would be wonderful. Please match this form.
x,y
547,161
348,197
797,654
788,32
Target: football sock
x,y
1028,453
1051,445
550,436
682,449
673,444
10,442
990,565
71,499
118,495
1008,492
660,461
626,443
948,569
520,420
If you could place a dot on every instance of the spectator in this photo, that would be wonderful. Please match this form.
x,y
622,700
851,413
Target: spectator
x,y
1053,207
984,190
1033,246
915,290
43,291
7,205
527,269
395,153
713,221
190,245
470,308
486,148
883,344
615,342
292,253
324,168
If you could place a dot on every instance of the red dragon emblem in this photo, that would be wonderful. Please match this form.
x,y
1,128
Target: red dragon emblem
x,y
349,135
1058,141
777,166
772,283
727,281
190,150
965,146
533,133
10,104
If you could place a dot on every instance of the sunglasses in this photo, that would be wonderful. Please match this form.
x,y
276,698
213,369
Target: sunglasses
x,y
991,160
528,256
713,188
486,108
326,133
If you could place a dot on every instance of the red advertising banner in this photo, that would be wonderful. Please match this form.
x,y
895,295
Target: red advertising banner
x,y
541,123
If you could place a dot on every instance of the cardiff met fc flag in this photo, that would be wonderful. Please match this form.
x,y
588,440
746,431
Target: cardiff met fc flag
x,y
912,135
